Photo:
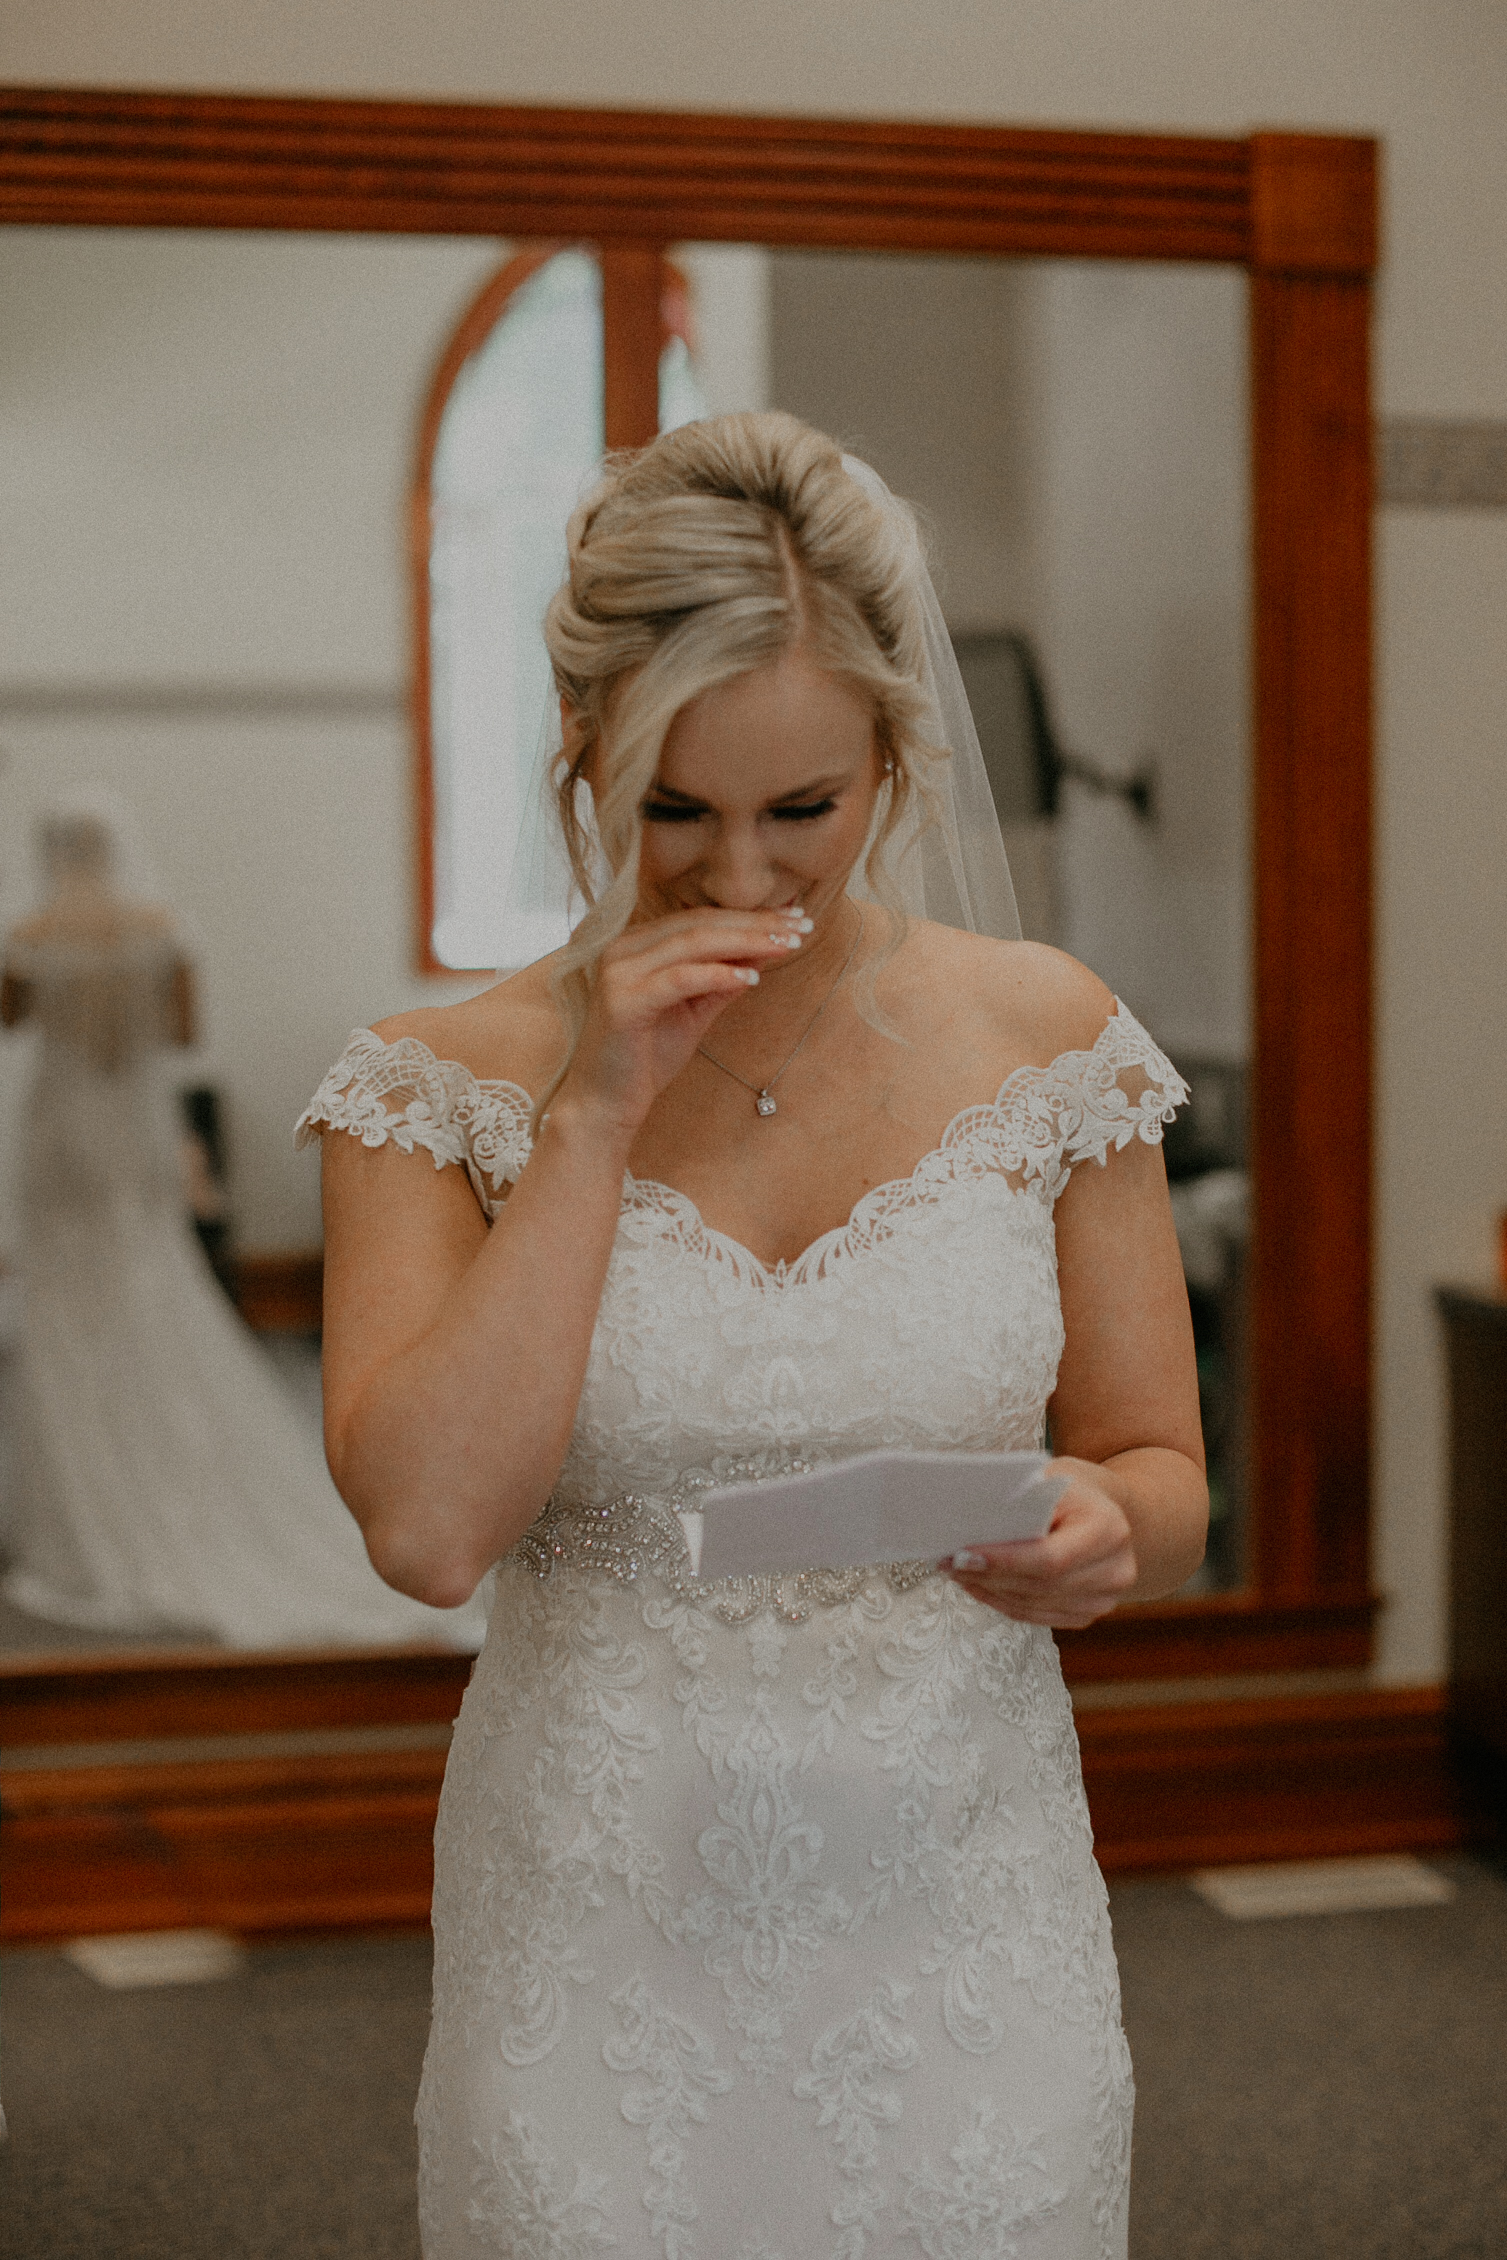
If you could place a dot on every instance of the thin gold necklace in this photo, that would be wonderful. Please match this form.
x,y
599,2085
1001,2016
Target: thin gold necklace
x,y
764,1099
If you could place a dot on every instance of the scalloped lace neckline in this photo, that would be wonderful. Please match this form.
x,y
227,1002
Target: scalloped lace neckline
x,y
785,1271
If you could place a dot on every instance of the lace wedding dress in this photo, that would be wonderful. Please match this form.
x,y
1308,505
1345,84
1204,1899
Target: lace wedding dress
x,y
164,1482
766,1920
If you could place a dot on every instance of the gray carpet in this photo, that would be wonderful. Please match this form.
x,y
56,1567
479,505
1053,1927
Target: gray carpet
x,y
267,2117
1320,2088
1324,2088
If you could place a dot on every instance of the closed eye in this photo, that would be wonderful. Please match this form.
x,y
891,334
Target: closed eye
x,y
672,812
686,812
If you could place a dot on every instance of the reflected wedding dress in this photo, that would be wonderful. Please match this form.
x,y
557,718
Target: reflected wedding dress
x,y
766,1920
165,1483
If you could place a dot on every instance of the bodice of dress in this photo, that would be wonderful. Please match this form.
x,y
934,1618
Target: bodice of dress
x,y
930,1320
101,1126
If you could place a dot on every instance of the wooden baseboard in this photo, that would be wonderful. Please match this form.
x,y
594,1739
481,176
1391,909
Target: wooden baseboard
x,y
340,1838
139,1696
1186,1785
333,1842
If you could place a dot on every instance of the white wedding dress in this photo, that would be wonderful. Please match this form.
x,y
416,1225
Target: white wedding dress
x,y
766,1920
165,1484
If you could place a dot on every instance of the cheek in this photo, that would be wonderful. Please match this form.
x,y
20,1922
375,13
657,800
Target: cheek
x,y
852,829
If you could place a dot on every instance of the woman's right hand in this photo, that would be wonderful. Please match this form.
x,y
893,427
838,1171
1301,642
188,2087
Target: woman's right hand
x,y
657,990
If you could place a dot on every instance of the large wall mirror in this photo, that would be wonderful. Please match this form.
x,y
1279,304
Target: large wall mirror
x,y
1076,437
271,395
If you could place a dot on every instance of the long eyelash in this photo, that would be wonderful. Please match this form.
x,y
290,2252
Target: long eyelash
x,y
668,812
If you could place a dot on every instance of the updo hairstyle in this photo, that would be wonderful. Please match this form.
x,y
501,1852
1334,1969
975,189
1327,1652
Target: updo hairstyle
x,y
713,552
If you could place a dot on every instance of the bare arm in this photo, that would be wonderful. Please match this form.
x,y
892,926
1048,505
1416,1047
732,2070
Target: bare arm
x,y
454,1356
1124,1416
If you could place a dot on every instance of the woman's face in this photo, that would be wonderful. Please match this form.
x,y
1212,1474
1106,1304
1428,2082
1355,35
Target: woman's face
x,y
764,796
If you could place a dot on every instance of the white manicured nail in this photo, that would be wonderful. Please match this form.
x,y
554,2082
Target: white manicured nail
x,y
969,1560
748,974
786,941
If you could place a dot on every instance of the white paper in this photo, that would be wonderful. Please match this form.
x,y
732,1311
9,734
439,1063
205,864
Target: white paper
x,y
881,1507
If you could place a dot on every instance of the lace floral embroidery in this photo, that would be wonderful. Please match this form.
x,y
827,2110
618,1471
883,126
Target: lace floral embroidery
x,y
764,1912
680,2075
847,2065
1041,1125
522,2206
538,1862
401,1093
998,2189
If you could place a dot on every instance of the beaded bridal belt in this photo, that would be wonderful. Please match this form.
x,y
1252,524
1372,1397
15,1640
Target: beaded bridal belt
x,y
641,1535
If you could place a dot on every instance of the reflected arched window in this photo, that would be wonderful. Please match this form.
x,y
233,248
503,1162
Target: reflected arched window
x,y
514,428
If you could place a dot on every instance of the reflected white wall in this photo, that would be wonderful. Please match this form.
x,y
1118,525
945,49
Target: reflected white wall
x,y
1140,601
1075,434
730,299
207,441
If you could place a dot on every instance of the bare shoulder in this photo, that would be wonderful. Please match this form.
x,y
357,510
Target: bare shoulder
x,y
1026,1000
510,1033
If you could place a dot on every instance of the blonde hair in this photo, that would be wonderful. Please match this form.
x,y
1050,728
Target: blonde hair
x,y
715,551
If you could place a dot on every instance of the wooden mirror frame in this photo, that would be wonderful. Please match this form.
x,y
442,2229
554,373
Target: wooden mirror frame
x,y
1298,212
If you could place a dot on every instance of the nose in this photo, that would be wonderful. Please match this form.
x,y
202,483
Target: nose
x,y
738,873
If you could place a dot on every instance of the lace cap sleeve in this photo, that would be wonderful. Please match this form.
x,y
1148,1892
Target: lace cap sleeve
x,y
404,1095
1125,1088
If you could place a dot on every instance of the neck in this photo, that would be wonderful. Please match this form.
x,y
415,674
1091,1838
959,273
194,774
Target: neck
x,y
83,890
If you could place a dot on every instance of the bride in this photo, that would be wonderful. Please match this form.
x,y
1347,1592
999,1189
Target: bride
x,y
766,1920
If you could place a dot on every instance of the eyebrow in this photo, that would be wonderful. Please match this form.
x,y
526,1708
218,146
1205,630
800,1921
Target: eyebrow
x,y
813,791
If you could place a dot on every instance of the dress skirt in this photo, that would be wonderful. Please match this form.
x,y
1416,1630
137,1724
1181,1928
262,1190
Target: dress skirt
x,y
769,1939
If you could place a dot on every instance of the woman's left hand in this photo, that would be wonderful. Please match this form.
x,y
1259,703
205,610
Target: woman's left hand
x,y
1079,1570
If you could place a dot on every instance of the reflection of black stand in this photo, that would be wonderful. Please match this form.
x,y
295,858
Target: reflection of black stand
x,y
1476,1335
1025,759
209,1196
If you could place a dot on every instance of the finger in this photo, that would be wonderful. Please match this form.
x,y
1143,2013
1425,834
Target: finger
x,y
623,977
682,984
1112,1571
1048,1608
1034,1561
712,931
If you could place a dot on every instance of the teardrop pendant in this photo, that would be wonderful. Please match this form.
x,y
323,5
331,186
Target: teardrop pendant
x,y
764,1104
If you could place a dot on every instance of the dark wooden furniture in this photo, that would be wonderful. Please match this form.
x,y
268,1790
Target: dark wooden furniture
x,y
1475,1330
1299,213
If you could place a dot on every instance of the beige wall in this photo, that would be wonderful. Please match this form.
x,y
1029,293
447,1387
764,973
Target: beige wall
x,y
1428,75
